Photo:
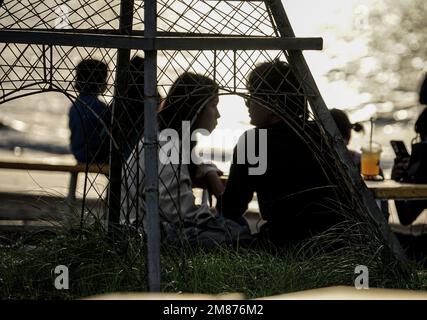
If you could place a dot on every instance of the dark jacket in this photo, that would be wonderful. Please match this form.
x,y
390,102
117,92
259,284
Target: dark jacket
x,y
294,193
89,140
416,172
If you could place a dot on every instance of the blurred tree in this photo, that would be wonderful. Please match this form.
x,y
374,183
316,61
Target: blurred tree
x,y
392,68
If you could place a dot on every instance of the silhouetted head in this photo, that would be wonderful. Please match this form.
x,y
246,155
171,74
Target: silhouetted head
x,y
344,125
274,85
193,98
423,91
91,76
421,125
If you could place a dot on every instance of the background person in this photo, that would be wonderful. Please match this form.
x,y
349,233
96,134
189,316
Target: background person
x,y
89,117
413,170
345,127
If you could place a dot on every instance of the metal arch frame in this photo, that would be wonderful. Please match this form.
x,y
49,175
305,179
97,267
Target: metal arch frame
x,y
154,42
124,40
151,41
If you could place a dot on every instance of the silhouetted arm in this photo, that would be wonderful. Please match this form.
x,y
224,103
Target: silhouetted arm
x,y
238,192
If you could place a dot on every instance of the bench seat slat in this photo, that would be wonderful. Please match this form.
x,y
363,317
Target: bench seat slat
x,y
80,167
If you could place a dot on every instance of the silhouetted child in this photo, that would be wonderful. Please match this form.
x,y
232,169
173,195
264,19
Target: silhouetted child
x,y
89,118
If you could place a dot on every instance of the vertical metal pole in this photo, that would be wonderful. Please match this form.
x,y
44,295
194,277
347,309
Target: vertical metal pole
x,y
150,150
302,71
116,151
234,71
70,202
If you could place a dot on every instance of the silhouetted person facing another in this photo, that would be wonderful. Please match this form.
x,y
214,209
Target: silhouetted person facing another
x,y
192,100
293,192
89,117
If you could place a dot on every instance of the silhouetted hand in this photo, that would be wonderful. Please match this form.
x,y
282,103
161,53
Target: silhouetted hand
x,y
207,177
400,168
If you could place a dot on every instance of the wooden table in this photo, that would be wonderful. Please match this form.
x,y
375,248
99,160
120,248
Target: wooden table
x,y
392,190
389,190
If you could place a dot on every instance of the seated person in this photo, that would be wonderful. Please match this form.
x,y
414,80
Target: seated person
x,y
413,170
192,100
345,126
294,191
89,117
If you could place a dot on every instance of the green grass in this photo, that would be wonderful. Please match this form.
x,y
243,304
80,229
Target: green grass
x,y
98,264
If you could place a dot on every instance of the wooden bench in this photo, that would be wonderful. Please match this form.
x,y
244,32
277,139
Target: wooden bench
x,y
74,171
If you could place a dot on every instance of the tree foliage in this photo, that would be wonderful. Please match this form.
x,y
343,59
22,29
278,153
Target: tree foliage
x,y
395,61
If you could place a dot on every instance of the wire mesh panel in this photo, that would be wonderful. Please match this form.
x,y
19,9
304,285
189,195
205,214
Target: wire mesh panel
x,y
244,18
202,50
59,14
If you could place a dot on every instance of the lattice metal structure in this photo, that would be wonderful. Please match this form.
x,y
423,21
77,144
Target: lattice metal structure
x,y
41,42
